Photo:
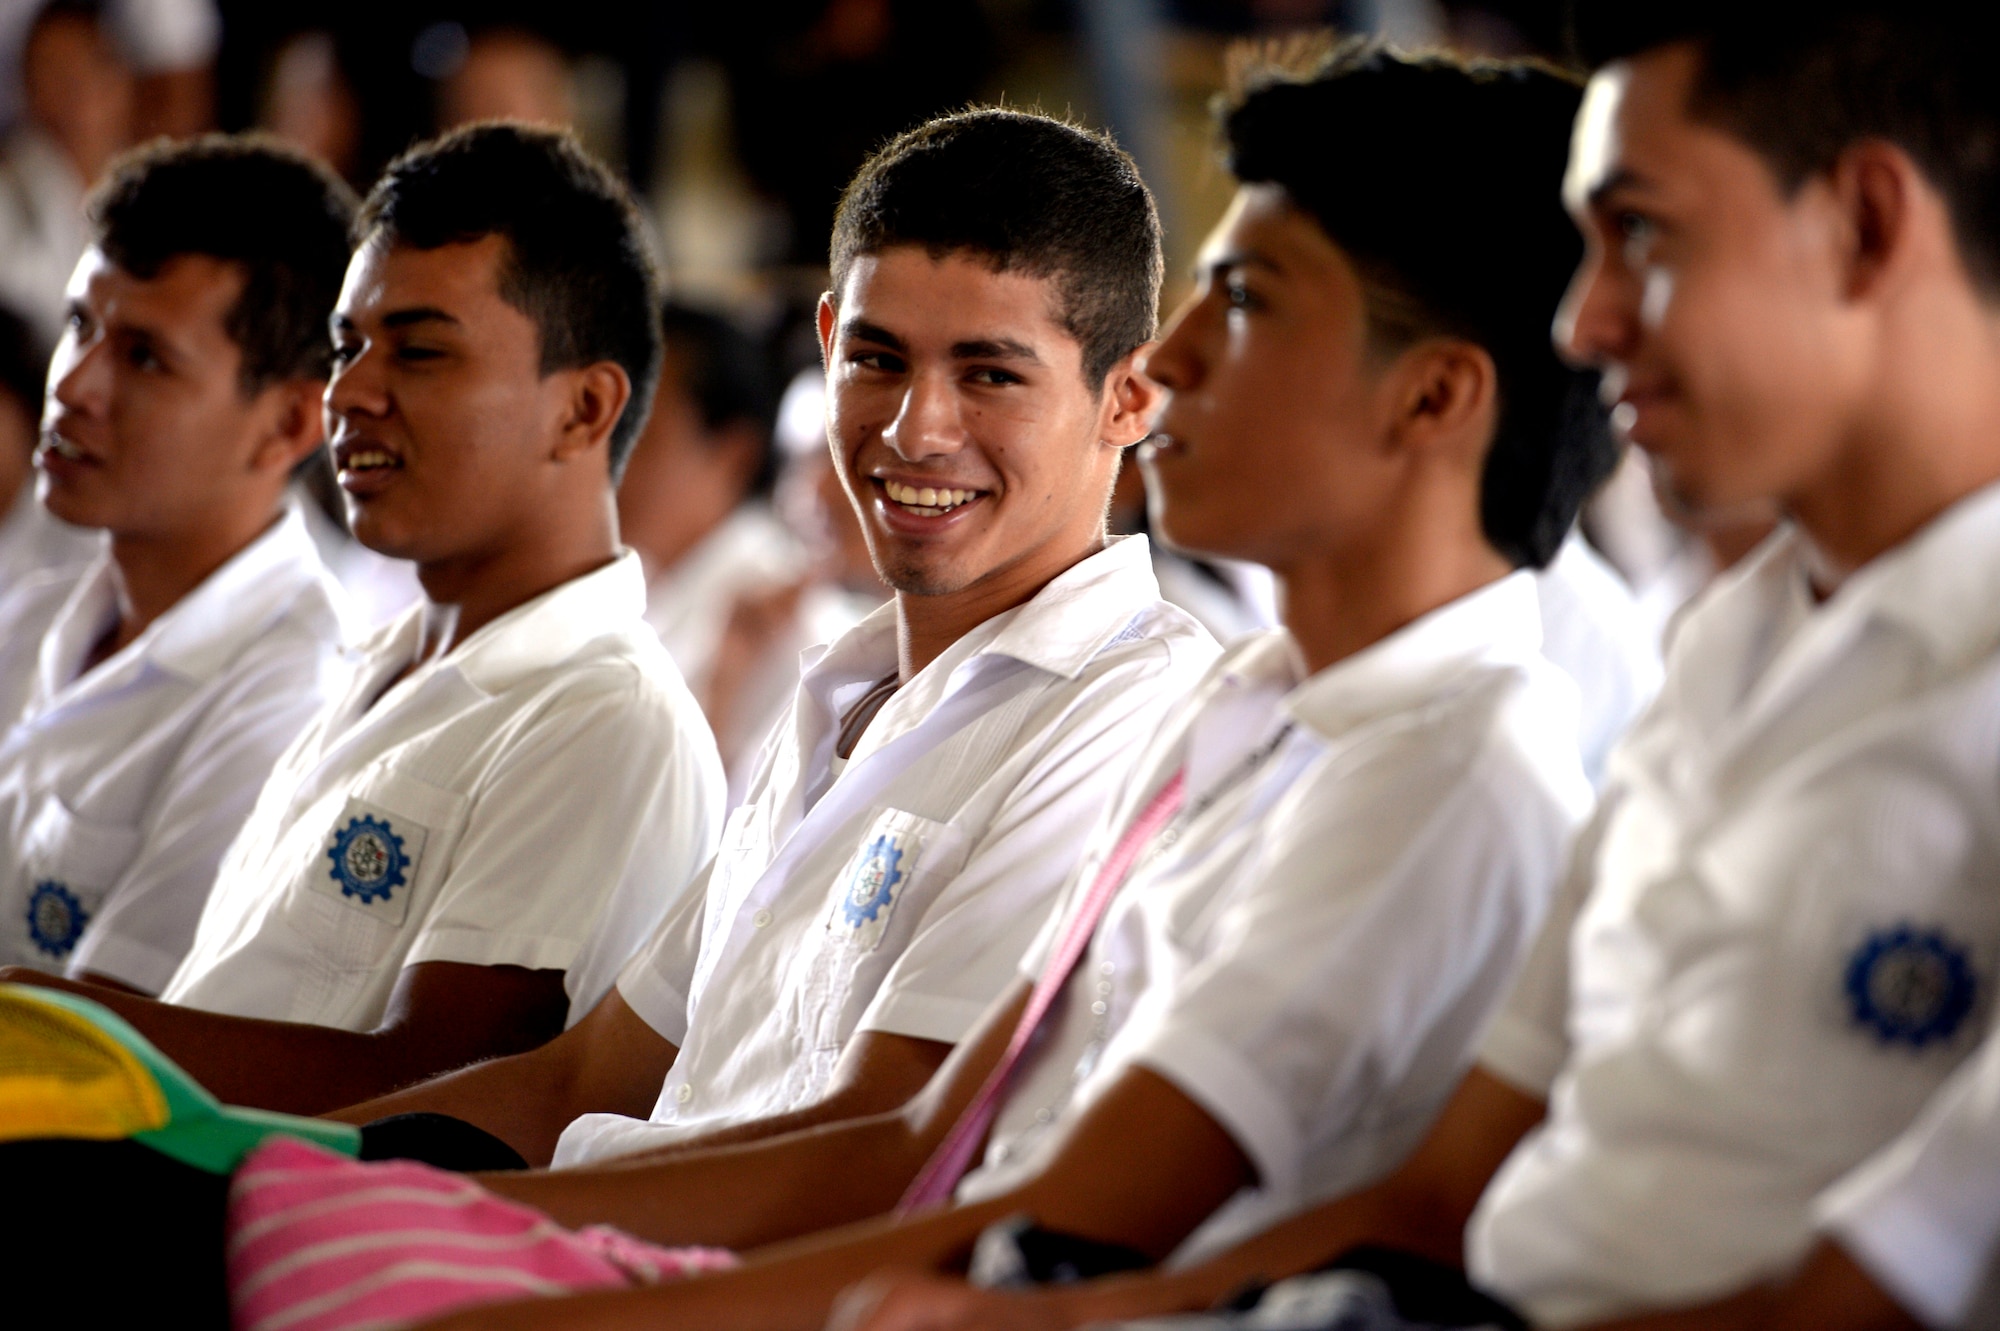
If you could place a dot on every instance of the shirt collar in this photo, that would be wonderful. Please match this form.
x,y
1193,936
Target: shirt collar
x,y
540,633
1942,586
1500,622
206,629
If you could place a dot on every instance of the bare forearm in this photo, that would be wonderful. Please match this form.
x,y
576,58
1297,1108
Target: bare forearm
x,y
739,1196
523,1099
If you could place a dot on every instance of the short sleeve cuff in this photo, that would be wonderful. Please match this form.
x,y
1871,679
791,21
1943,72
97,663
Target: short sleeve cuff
x,y
1918,1261
1233,1092
1522,1055
127,960
480,947
922,1016
659,1004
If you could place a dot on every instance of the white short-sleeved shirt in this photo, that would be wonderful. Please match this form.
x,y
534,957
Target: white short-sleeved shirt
x,y
120,789
1791,922
1594,629
1923,1215
32,540
1314,956
537,797
904,904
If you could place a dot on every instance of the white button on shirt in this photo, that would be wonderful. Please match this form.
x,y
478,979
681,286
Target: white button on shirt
x,y
898,894
1923,1216
535,798
1790,924
121,788
1313,958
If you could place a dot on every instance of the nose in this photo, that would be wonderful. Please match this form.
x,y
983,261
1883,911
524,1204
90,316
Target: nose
x,y
1175,363
1599,316
356,388
80,375
927,421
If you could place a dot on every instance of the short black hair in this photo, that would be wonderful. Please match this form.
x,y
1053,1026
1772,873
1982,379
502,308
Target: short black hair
x,y
249,200
1799,81
1027,193
577,261
725,374
1440,180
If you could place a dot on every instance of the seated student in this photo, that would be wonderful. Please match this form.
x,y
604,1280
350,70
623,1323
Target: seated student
x,y
459,853
144,698
1787,927
1321,873
996,279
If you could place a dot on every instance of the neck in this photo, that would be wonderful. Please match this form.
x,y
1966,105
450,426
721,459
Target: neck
x,y
466,593
1930,438
927,626
151,573
1342,602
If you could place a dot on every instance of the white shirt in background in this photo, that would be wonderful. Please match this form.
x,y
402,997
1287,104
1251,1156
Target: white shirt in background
x,y
1594,629
1791,924
898,893
1923,1216
688,604
31,541
1313,957
380,590
120,789
536,798
42,229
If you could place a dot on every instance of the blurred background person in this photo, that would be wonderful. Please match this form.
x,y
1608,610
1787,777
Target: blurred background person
x,y
31,539
507,73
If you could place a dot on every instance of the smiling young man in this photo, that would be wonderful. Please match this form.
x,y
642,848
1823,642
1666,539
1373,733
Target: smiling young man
x,y
996,278
1743,1091
145,697
1271,966
458,854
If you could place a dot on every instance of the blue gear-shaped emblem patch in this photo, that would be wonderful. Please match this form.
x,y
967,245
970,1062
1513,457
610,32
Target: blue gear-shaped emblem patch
x,y
55,918
1910,986
368,859
874,882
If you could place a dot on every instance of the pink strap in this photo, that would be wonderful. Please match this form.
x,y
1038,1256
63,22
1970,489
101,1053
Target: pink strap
x,y
953,1156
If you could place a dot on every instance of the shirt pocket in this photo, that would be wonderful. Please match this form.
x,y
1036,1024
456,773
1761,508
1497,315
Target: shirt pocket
x,y
69,868
377,867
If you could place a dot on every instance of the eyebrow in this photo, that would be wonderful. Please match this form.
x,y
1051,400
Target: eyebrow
x,y
1246,259
978,348
1624,178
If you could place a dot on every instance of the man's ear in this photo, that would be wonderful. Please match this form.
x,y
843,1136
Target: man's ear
x,y
1445,395
295,425
1885,212
598,395
829,319
1131,400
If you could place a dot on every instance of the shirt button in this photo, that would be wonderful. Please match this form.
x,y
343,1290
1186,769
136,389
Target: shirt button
x,y
683,1093
1098,1008
761,919
1107,970
1043,1115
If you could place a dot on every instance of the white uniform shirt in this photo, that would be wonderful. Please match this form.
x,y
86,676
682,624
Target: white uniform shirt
x,y
1792,917
1314,955
32,540
537,797
1593,628
121,789
904,903
1923,1216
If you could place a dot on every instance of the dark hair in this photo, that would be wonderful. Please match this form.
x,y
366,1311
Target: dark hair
x,y
24,364
576,263
1028,194
724,373
1439,179
250,200
1799,81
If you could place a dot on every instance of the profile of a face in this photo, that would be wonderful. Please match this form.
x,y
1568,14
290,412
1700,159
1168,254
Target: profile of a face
x,y
1715,302
969,444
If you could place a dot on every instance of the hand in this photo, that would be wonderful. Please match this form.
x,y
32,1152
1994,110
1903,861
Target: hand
x,y
913,1301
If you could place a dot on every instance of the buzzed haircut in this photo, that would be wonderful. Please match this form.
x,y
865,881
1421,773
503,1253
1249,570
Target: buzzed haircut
x,y
576,262
1440,181
727,377
248,199
1025,193
1799,81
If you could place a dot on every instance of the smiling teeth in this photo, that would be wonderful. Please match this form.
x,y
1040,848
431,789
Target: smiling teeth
x,y
63,448
365,458
924,500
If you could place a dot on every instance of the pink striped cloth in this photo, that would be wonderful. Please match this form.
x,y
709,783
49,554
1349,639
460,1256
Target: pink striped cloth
x,y
319,1242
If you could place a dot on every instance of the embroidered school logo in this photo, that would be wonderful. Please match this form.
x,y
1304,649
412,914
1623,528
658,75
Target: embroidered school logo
x,y
55,918
368,859
1910,986
874,883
